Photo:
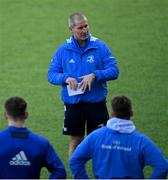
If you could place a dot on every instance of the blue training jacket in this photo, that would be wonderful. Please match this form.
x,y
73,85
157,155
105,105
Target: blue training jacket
x,y
72,61
23,154
117,155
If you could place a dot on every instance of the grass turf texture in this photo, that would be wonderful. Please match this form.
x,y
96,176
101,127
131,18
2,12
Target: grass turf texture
x,y
136,31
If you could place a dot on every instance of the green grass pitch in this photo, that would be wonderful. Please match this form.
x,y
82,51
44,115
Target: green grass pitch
x,y
136,32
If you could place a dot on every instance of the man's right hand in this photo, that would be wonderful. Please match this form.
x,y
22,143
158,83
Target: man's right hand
x,y
72,83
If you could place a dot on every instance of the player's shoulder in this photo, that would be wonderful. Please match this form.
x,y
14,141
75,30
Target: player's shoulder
x,y
97,40
4,132
139,136
99,131
38,138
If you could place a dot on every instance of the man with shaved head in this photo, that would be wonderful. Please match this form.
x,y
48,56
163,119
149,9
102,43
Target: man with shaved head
x,y
82,66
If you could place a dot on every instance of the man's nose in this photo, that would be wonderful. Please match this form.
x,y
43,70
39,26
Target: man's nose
x,y
84,29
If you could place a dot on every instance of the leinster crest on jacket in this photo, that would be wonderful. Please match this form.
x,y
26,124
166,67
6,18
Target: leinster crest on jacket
x,y
90,59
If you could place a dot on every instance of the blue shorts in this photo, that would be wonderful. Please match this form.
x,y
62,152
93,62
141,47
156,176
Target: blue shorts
x,y
81,115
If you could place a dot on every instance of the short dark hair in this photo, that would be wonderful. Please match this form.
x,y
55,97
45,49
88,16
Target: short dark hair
x,y
121,106
16,107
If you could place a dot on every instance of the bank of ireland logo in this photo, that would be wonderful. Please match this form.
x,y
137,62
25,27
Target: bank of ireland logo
x,y
90,59
20,159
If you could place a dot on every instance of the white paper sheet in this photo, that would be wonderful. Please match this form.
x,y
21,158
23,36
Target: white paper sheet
x,y
72,92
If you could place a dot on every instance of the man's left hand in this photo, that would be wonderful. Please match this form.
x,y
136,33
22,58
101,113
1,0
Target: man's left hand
x,y
87,81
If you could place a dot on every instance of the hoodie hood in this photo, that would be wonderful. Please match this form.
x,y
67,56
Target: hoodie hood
x,y
121,125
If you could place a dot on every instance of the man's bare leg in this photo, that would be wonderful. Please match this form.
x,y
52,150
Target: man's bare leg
x,y
73,143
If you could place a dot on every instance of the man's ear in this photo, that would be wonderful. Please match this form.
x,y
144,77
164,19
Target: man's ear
x,y
113,114
5,115
26,115
70,29
131,113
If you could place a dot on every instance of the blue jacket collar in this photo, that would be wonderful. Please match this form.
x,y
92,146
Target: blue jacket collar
x,y
71,44
13,128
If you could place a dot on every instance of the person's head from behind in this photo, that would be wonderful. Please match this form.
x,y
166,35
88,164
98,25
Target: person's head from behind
x,y
121,107
15,109
78,26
